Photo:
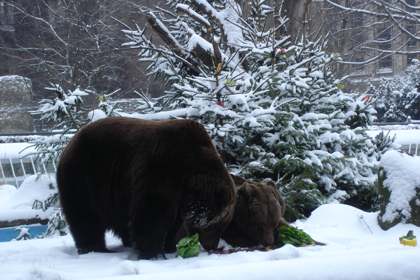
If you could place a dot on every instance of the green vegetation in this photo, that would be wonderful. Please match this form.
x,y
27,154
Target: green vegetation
x,y
294,236
188,246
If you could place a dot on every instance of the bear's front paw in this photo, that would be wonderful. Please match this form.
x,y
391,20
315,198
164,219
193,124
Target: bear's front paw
x,y
82,251
150,256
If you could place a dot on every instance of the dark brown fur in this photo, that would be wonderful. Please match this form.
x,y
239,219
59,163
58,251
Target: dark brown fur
x,y
143,179
258,214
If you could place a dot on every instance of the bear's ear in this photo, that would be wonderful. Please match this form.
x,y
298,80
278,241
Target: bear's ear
x,y
237,180
270,183
243,194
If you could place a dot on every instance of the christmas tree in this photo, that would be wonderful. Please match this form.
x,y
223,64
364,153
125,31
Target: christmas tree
x,y
273,107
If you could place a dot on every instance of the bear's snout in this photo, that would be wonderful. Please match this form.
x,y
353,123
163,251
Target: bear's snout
x,y
268,238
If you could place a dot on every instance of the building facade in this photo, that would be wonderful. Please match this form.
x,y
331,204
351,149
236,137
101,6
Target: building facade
x,y
360,38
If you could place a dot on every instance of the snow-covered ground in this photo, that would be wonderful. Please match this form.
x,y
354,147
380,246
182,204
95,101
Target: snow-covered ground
x,y
402,136
17,203
16,150
356,249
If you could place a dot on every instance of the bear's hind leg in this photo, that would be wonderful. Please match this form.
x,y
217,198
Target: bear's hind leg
x,y
79,200
85,226
123,233
89,238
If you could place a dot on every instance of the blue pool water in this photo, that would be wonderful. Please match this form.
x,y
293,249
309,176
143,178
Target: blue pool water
x,y
7,234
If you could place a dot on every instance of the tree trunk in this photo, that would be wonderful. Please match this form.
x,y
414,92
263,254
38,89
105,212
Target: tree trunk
x,y
296,11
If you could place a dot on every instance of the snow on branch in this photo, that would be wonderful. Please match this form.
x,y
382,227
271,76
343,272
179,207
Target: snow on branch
x,y
163,32
227,19
182,8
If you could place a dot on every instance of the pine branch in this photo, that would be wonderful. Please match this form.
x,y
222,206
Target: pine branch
x,y
207,9
163,32
202,49
182,8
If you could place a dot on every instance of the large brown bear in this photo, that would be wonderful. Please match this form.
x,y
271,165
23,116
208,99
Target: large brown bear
x,y
142,180
257,216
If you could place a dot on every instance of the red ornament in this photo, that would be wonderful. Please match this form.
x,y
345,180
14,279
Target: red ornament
x,y
220,103
367,98
280,51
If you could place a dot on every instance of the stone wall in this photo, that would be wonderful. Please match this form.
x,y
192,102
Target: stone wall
x,y
15,101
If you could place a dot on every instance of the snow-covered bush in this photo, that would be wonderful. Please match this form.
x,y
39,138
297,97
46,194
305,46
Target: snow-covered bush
x,y
49,203
56,224
66,113
272,107
23,233
34,188
398,98
400,190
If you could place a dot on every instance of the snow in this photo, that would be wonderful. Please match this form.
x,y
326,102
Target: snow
x,y
187,8
402,180
5,192
229,18
33,188
403,136
15,150
8,77
13,78
18,204
356,249
96,114
163,27
197,40
176,113
329,137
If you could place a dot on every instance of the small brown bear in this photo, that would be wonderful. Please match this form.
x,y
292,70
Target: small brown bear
x,y
142,180
257,216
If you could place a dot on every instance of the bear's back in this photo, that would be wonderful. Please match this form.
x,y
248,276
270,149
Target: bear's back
x,y
131,131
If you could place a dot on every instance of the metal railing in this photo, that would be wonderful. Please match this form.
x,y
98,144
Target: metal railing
x,y
407,122
14,171
410,149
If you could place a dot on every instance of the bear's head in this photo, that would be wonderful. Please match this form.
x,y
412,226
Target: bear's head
x,y
210,207
257,216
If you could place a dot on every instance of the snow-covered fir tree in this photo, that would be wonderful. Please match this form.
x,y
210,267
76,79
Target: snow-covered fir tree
x,y
66,113
272,107
398,98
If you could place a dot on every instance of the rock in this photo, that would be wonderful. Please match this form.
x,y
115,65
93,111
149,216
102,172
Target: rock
x,y
399,190
15,100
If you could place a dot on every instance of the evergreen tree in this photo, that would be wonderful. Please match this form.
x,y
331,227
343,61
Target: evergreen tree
x,y
398,98
66,113
272,107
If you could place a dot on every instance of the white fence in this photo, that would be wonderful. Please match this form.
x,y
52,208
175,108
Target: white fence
x,y
13,171
411,149
17,162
